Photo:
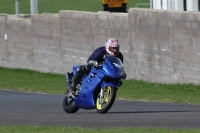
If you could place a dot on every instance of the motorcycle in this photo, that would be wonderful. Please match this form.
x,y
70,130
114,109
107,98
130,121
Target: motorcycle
x,y
97,89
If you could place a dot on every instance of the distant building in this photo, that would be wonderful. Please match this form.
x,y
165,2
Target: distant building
x,y
179,5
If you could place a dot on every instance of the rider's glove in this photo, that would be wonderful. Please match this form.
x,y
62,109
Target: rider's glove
x,y
93,63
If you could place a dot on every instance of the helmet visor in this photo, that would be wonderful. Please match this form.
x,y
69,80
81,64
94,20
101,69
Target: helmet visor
x,y
115,50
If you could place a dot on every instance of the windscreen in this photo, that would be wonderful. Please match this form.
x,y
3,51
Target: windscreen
x,y
114,60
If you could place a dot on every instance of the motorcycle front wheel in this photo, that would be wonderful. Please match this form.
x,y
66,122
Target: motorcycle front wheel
x,y
69,105
103,104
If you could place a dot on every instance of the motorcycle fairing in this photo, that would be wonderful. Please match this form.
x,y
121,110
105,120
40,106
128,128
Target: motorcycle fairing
x,y
85,99
113,68
111,84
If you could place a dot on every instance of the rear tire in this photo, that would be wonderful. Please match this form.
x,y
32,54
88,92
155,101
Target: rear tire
x,y
69,105
104,104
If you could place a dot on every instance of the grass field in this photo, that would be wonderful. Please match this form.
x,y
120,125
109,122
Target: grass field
x,y
54,6
56,129
26,80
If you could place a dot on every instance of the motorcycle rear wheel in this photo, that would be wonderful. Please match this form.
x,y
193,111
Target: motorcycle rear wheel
x,y
69,105
104,104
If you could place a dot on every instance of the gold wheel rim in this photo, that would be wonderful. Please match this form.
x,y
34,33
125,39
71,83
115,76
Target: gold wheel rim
x,y
108,91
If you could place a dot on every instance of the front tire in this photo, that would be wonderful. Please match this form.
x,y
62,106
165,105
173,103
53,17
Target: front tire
x,y
69,105
105,103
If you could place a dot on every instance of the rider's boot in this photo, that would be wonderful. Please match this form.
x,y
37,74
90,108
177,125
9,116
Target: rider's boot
x,y
77,78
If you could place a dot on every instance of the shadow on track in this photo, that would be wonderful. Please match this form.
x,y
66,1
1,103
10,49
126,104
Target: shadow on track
x,y
133,112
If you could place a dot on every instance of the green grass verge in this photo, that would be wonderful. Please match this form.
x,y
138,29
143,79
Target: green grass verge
x,y
28,80
59,129
54,6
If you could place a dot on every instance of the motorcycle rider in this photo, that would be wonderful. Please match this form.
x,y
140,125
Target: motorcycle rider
x,y
111,47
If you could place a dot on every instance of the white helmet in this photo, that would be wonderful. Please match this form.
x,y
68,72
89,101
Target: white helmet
x,y
112,46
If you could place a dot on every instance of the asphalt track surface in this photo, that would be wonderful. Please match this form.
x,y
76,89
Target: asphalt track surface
x,y
19,108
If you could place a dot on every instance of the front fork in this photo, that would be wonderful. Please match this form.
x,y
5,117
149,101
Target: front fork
x,y
104,85
101,93
101,97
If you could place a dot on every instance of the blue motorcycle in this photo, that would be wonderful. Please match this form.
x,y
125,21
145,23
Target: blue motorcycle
x,y
97,89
